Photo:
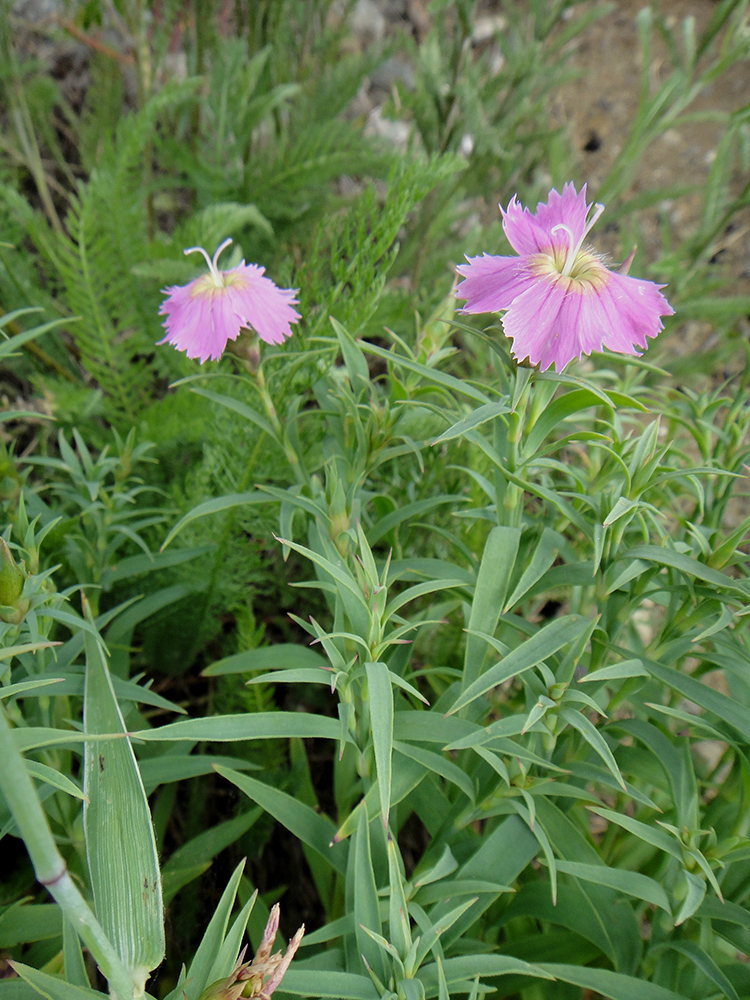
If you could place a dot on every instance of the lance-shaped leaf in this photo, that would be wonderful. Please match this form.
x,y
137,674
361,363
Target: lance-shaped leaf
x,y
546,642
381,714
120,843
497,563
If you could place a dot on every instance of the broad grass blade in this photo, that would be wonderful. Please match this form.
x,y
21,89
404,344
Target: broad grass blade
x,y
120,843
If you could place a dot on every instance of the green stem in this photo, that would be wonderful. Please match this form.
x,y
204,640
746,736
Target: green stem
x,y
49,865
221,549
291,455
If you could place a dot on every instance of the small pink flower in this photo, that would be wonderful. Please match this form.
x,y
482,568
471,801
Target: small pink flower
x,y
204,315
561,301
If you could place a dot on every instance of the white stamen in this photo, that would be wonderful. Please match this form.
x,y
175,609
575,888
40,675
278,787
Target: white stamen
x,y
212,264
573,246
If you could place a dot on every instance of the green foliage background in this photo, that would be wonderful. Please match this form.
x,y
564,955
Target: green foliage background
x,y
560,747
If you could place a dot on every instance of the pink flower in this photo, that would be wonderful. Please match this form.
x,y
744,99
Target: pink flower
x,y
561,301
204,315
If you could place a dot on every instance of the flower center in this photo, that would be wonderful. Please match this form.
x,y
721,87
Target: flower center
x,y
216,275
587,272
574,256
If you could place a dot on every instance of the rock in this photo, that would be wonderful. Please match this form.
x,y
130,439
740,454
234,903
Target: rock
x,y
368,23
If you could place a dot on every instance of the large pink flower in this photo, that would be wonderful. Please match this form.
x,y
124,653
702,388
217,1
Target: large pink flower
x,y
561,301
212,309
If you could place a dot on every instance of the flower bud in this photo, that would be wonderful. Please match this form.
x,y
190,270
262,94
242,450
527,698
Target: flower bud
x,y
260,977
11,585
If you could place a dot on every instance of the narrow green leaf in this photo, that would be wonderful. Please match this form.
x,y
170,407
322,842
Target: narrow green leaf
x,y
354,359
621,507
618,671
54,778
631,883
729,710
28,647
240,408
398,919
419,590
73,960
431,936
438,765
594,739
24,923
231,946
23,687
461,386
467,966
409,513
443,993
442,869
544,843
547,641
328,985
650,834
168,767
491,589
284,656
133,566
558,411
610,984
312,828
703,961
53,987
475,419
305,675
212,940
455,888
366,913
339,572
37,737
688,566
255,726
544,555
7,347
215,506
381,715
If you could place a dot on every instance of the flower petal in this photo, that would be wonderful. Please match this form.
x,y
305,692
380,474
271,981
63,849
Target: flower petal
x,y
197,324
492,283
560,300
635,308
568,209
202,316
533,324
259,303
280,970
532,233
558,320
524,233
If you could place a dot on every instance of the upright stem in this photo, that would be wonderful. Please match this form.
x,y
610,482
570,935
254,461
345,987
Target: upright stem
x,y
291,455
49,865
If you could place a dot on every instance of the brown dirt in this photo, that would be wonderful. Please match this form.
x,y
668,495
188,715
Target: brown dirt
x,y
601,105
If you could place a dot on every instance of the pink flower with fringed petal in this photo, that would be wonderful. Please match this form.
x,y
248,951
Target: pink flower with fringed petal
x,y
559,298
203,315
